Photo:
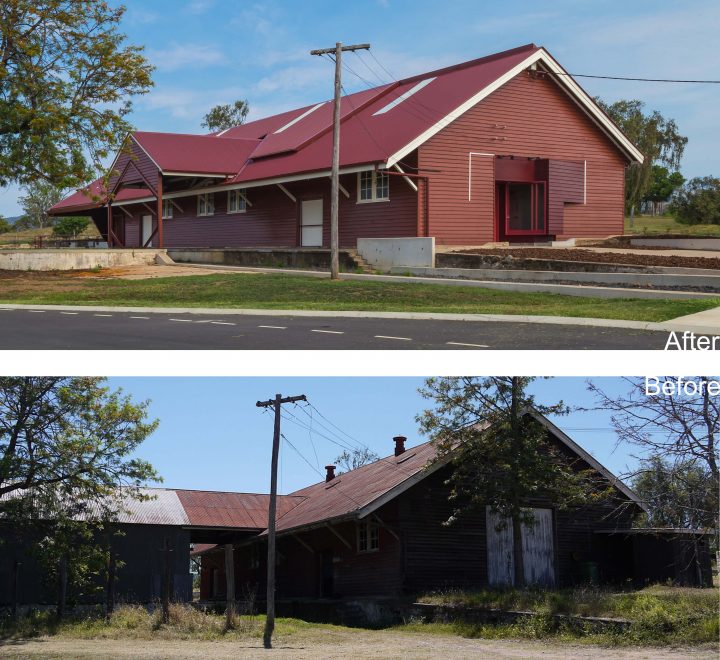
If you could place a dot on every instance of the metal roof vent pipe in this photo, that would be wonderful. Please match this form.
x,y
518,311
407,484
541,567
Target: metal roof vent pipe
x,y
399,444
330,474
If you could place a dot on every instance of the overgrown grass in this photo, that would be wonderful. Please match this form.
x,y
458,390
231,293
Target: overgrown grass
x,y
666,224
657,615
136,622
271,291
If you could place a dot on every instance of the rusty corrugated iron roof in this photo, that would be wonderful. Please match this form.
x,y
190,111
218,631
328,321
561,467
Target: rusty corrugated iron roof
x,y
352,492
237,510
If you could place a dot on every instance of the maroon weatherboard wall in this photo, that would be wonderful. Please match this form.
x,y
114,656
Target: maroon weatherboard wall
x,y
528,118
274,219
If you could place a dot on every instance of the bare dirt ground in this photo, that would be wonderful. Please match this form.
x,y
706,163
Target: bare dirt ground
x,y
69,280
365,644
641,258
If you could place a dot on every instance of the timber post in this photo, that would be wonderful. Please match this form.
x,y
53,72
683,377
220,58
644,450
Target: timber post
x,y
230,585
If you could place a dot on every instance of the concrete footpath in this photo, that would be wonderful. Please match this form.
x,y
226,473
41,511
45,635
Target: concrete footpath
x,y
585,291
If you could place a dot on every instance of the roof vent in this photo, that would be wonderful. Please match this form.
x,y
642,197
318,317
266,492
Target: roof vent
x,y
399,444
330,473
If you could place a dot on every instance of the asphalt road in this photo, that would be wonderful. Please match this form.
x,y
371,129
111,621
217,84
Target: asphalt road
x,y
22,329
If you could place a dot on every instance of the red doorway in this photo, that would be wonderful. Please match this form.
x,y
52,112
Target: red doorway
x,y
520,210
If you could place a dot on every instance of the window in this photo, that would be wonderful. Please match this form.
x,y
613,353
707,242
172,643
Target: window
x,y
167,209
373,186
237,202
368,536
206,204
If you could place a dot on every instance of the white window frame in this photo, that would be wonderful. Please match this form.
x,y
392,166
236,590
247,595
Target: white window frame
x,y
167,209
237,201
371,529
206,204
374,186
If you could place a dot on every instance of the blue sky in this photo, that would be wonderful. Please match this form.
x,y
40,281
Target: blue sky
x,y
215,51
213,437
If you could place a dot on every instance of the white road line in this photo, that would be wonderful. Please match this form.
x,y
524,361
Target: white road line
x,y
274,327
102,314
329,332
36,311
388,337
181,320
459,343
145,318
69,313
222,323
6,309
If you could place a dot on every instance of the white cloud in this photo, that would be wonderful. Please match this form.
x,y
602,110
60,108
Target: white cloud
x,y
179,56
199,6
136,16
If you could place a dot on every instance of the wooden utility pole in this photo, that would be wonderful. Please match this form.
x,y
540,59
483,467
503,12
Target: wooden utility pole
x,y
335,172
276,404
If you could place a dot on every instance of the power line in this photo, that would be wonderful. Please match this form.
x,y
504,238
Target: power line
x,y
345,433
660,80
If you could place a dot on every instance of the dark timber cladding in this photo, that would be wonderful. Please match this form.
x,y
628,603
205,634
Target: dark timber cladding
x,y
505,147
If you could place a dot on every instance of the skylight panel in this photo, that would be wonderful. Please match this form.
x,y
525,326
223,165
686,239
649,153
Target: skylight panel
x,y
297,119
403,97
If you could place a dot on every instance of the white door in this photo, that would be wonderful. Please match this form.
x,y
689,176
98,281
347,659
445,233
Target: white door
x,y
311,225
538,550
499,550
146,229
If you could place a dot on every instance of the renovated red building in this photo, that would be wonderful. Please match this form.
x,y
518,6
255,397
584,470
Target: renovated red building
x,y
503,148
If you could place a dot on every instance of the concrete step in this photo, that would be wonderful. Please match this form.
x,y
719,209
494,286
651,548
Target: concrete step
x,y
665,281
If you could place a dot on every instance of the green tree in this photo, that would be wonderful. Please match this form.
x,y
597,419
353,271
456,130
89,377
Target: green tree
x,y
70,433
680,495
357,458
698,202
36,202
5,226
656,137
66,82
67,468
222,117
70,226
663,184
500,452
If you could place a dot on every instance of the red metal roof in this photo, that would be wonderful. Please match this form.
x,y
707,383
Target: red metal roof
x,y
237,510
201,154
378,125
94,196
268,148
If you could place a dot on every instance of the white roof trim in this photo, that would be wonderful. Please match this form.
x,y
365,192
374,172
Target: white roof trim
x,y
588,458
202,175
575,91
396,102
146,153
587,103
292,122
